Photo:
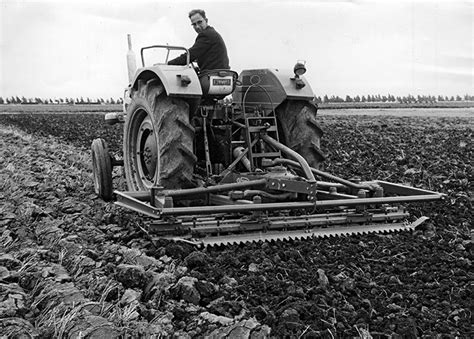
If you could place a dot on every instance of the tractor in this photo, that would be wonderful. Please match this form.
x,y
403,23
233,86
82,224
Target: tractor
x,y
216,157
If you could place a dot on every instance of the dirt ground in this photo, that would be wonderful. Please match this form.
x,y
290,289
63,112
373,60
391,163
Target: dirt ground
x,y
72,265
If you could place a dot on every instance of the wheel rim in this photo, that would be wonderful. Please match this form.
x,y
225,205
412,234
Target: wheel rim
x,y
95,173
144,153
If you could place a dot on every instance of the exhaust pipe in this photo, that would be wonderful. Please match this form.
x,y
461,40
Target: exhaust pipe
x,y
131,60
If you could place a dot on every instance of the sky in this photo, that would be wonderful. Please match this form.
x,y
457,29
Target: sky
x,y
58,49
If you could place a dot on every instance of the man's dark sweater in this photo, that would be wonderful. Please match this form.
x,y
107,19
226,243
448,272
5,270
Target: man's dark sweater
x,y
208,50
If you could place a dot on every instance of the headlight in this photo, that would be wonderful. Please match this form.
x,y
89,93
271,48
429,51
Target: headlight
x,y
299,68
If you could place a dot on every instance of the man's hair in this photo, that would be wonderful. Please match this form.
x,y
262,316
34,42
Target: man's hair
x,y
197,11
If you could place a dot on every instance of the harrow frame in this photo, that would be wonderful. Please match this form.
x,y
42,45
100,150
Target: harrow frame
x,y
230,218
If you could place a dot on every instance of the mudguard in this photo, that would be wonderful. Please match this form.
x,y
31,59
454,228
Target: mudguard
x,y
270,86
179,81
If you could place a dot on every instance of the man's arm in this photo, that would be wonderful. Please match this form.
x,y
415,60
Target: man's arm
x,y
201,45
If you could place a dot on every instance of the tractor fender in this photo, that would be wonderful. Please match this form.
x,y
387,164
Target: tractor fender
x,y
178,81
279,85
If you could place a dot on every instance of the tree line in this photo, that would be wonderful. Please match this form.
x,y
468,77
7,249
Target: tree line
x,y
391,98
318,99
67,101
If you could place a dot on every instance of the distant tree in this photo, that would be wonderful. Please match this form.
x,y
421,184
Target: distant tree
x,y
363,99
112,101
348,98
458,98
1,101
451,99
325,98
357,98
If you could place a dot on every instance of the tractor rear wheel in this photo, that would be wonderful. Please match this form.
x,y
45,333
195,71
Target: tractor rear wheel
x,y
102,169
299,130
158,140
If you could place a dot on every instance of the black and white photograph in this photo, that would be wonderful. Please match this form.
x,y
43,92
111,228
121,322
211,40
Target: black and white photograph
x,y
236,169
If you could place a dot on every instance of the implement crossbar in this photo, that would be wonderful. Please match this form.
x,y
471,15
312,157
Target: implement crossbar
x,y
175,211
215,189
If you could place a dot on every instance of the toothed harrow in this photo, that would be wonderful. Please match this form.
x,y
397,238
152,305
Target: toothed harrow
x,y
229,218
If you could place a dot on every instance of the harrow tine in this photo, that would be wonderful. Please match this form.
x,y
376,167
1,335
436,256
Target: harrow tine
x,y
297,235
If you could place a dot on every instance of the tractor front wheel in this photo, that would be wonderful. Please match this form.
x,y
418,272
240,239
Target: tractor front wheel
x,y
158,140
102,169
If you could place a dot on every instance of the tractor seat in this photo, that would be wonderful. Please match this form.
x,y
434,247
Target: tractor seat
x,y
217,83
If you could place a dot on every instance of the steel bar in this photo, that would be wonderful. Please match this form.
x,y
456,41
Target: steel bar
x,y
214,189
136,205
323,195
399,189
285,149
288,223
139,195
296,205
215,199
237,160
326,175
325,184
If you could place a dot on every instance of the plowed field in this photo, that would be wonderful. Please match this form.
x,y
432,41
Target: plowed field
x,y
74,266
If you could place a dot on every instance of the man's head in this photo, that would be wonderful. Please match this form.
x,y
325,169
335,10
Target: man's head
x,y
198,20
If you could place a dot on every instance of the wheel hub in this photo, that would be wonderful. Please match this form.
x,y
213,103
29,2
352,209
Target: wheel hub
x,y
147,152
